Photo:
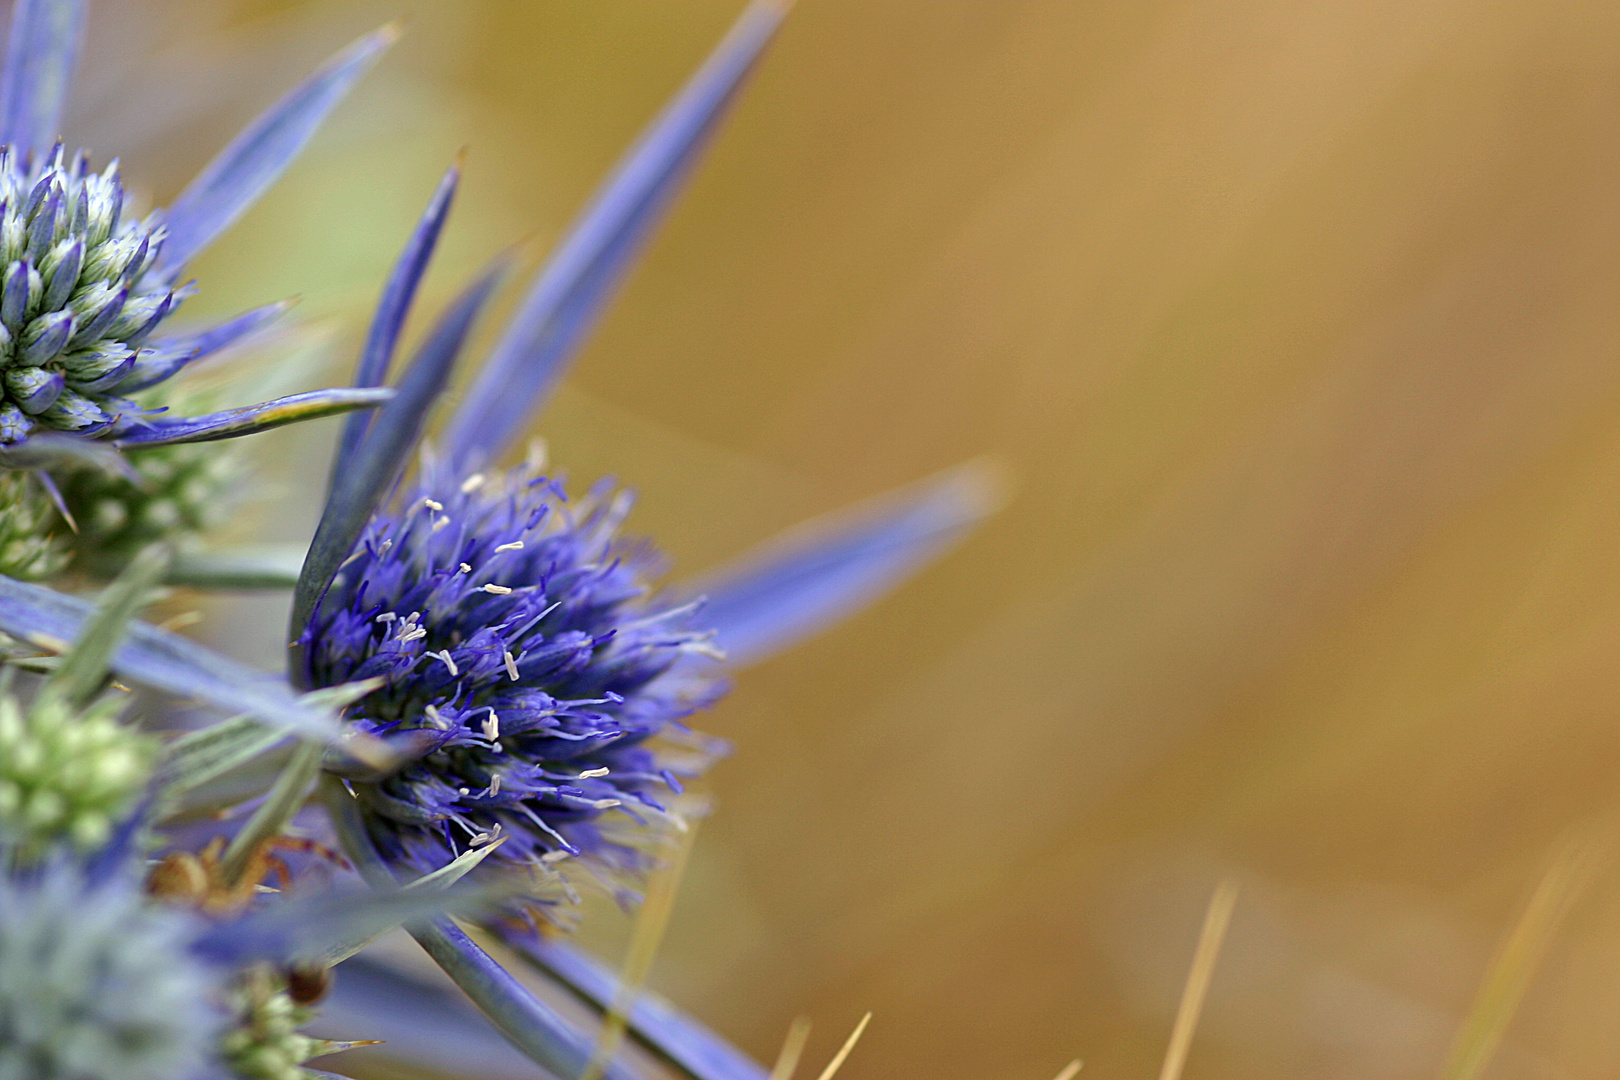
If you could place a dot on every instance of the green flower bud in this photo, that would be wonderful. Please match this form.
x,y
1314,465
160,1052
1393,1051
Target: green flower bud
x,y
34,543
65,774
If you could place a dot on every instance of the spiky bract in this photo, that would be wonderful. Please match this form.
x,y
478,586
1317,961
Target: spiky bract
x,y
78,297
519,645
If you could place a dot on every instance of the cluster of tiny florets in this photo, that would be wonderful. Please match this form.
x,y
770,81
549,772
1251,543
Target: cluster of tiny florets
x,y
77,298
522,652
65,774
180,492
263,1042
34,543
96,983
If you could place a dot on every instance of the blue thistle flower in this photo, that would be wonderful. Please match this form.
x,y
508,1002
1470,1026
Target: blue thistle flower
x,y
84,283
521,649
511,683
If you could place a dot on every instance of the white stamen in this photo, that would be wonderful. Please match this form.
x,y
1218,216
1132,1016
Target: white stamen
x,y
704,648
461,790
607,804
431,505
511,665
492,726
466,568
516,545
479,840
444,654
553,856
441,523
496,590
591,774
415,633
472,484
494,786
382,549
433,715
386,617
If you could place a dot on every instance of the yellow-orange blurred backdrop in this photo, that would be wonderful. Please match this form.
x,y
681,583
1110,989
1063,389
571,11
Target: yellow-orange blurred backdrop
x,y
1296,326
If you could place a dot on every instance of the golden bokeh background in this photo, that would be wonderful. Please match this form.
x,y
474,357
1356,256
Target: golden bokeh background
x,y
1295,327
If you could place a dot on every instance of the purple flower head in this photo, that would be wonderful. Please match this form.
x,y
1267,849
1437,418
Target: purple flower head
x,y
540,680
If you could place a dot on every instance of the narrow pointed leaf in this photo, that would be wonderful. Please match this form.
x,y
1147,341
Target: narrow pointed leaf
x,y
83,671
56,450
367,476
41,53
653,1021
570,292
423,1025
306,928
530,1024
203,756
285,798
378,352
199,756
235,179
252,419
168,356
233,330
811,576
162,660
442,878
251,566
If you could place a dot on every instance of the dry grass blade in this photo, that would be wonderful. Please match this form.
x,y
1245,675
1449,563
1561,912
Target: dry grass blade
x,y
1515,965
843,1052
1216,920
1070,1070
792,1048
644,941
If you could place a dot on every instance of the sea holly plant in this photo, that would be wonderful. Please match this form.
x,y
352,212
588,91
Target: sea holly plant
x,y
533,673
489,687
115,965
87,282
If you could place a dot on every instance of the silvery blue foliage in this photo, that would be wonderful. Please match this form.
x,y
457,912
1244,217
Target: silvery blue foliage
x,y
96,983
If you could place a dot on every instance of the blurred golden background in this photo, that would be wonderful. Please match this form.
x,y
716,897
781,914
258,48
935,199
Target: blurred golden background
x,y
1295,325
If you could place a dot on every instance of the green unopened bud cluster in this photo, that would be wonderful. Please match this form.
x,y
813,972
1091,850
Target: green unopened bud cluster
x,y
66,774
184,492
264,1044
34,542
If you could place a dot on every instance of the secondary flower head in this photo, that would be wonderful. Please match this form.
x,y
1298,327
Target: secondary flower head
x,y
519,642
77,298
84,283
99,983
